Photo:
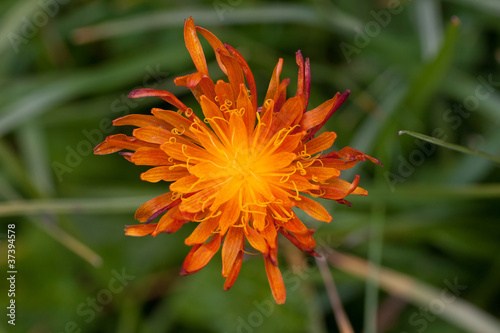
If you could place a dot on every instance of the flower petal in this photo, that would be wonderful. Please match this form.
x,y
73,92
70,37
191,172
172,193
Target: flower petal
x,y
274,162
349,154
201,256
183,152
159,136
270,234
317,115
289,114
202,232
226,192
164,173
180,124
313,209
294,225
216,45
150,156
199,201
194,46
337,189
165,95
139,230
234,271
319,174
168,223
233,71
233,245
304,242
141,120
272,90
149,210
257,241
248,75
117,142
230,214
322,142
275,281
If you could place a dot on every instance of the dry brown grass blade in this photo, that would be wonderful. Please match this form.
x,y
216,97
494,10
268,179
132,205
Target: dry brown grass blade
x,y
338,310
451,308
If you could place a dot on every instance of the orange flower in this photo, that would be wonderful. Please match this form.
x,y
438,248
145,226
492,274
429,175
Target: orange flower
x,y
239,172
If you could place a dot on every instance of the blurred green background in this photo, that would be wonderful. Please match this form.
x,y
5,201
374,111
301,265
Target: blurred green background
x,y
432,214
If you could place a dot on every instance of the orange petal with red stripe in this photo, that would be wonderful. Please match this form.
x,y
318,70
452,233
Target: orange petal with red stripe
x,y
152,207
139,230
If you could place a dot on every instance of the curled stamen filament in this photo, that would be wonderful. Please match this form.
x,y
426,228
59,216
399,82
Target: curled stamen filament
x,y
296,197
177,131
279,140
177,166
301,169
286,177
211,215
267,103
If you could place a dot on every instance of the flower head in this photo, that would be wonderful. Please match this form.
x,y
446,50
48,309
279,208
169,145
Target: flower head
x,y
238,172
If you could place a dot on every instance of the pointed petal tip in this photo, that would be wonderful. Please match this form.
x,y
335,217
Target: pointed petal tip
x,y
377,161
133,93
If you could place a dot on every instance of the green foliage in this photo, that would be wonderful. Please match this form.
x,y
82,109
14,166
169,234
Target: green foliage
x,y
432,213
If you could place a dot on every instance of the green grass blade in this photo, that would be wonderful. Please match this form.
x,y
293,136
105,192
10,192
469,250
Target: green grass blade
x,y
451,146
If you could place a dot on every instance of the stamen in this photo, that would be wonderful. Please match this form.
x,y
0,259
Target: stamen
x,y
264,203
301,169
251,253
211,215
252,211
203,203
286,177
278,141
183,150
316,195
296,191
177,131
177,165
267,103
